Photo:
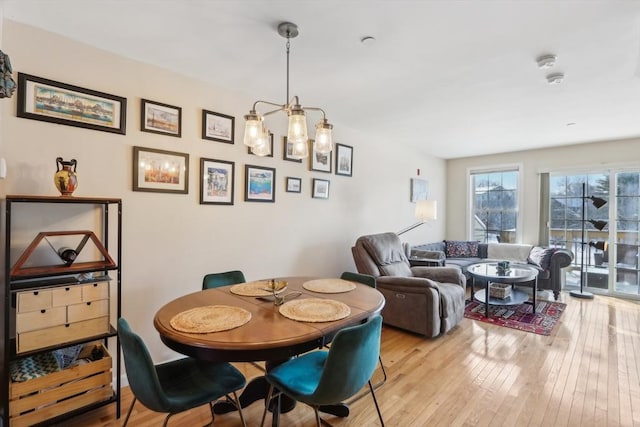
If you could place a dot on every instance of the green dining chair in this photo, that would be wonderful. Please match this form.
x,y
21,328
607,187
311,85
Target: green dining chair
x,y
329,377
215,280
368,280
178,385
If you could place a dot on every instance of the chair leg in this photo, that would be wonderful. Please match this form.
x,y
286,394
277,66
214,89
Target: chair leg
x,y
315,409
375,386
373,394
266,404
237,402
166,420
126,420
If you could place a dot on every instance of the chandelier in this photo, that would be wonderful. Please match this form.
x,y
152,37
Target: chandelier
x,y
256,134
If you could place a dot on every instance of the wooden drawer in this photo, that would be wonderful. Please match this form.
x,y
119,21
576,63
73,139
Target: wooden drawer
x,y
40,399
66,295
95,291
34,300
88,310
56,335
43,318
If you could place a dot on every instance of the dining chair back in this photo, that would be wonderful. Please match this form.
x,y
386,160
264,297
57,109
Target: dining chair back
x,y
215,280
329,377
178,385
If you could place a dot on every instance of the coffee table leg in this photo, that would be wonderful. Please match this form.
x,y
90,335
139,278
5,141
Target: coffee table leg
x,y
535,293
486,299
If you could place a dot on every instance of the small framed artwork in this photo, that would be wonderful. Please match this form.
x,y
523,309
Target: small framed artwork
x,y
294,185
161,118
64,104
419,189
287,151
250,149
160,171
216,185
218,127
320,162
344,160
320,188
259,184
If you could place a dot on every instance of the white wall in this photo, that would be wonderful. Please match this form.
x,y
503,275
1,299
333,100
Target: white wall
x,y
593,156
171,241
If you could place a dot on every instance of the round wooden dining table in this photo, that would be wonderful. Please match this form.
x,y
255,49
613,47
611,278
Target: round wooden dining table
x,y
268,336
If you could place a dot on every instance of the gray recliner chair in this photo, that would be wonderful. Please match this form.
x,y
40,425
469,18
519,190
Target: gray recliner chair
x,y
425,300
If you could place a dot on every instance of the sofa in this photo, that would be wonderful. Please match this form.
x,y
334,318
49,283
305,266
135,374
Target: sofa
x,y
548,261
426,300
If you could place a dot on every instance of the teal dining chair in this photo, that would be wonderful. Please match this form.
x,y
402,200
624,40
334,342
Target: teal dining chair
x,y
178,385
329,377
368,280
215,280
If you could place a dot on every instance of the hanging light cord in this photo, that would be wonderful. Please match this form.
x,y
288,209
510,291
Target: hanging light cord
x,y
288,49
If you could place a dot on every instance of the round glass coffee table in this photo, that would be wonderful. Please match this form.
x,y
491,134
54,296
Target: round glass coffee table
x,y
488,273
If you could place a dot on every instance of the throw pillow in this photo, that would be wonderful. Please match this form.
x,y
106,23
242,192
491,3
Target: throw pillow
x,y
461,249
541,256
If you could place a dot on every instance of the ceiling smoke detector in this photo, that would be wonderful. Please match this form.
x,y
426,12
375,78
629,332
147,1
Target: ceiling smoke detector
x,y
555,78
546,61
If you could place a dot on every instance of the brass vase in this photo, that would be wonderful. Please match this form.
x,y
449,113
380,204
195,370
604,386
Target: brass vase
x,y
65,178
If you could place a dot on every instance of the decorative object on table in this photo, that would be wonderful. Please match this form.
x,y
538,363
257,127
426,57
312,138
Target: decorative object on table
x,y
218,127
259,288
294,185
256,132
329,286
217,182
344,160
320,188
315,310
259,184
599,225
7,84
160,118
55,102
502,268
160,171
426,210
500,290
264,149
209,319
287,151
65,178
519,317
320,162
419,189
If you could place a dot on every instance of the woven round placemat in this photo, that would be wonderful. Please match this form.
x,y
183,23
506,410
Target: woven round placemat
x,y
315,310
329,286
210,318
259,288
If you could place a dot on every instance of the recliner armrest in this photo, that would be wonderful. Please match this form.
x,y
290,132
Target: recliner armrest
x,y
407,284
441,274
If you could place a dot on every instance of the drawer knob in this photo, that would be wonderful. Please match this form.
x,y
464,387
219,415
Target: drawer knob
x,y
89,303
43,311
35,292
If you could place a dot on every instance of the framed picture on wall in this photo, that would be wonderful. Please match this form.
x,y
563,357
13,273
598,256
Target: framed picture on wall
x,y
419,189
320,188
217,183
218,127
161,118
65,104
344,160
287,151
294,185
160,171
320,162
259,184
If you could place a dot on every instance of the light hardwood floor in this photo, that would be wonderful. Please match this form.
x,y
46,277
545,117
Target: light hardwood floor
x,y
587,373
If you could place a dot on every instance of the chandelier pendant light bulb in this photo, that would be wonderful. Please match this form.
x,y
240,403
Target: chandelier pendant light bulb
x,y
323,142
262,146
253,128
297,125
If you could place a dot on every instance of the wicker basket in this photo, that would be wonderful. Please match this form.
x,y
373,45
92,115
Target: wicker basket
x,y
499,290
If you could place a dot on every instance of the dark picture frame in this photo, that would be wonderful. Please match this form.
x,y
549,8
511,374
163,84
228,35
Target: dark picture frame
x,y
259,184
217,183
64,104
250,149
218,127
293,185
163,119
320,162
287,150
344,160
160,171
320,188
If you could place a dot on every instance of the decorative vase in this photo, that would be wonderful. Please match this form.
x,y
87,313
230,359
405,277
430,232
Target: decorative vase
x,y
65,178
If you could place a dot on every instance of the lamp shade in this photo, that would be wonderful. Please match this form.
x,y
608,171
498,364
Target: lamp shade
x,y
252,128
323,143
297,130
262,146
598,202
426,210
599,225
600,244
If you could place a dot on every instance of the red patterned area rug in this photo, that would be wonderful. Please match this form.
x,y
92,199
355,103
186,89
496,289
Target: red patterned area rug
x,y
519,317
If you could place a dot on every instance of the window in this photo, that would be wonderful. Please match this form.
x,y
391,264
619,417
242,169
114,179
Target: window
x,y
494,205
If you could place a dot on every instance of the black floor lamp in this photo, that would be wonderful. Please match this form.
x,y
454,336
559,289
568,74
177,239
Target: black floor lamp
x,y
599,225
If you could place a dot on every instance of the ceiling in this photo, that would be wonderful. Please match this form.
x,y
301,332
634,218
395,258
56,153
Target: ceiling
x,y
457,78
